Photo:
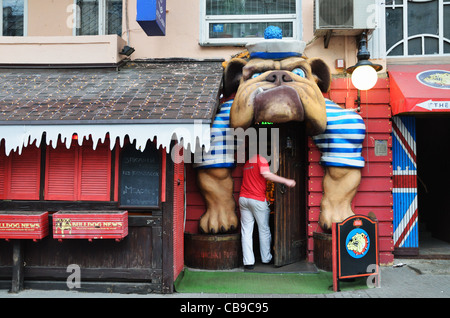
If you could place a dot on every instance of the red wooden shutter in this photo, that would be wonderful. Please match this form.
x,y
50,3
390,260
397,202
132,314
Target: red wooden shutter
x,y
2,172
60,173
178,217
24,174
95,175
78,173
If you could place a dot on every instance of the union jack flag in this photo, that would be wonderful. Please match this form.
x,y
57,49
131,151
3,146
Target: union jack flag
x,y
405,182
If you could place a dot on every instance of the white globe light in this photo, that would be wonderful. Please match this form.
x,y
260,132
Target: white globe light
x,y
364,77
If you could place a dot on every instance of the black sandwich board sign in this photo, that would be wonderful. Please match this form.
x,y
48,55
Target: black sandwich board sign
x,y
355,249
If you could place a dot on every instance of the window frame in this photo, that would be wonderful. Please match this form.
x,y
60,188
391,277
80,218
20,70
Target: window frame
x,y
423,36
205,21
101,28
25,18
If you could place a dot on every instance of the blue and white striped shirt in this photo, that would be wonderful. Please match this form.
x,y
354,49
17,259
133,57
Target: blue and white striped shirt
x,y
221,152
341,143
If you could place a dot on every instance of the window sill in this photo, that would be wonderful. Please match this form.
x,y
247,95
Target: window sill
x,y
61,50
419,59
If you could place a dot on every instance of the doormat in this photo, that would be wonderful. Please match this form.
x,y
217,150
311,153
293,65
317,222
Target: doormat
x,y
216,282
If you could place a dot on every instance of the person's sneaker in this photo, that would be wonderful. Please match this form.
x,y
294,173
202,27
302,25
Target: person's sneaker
x,y
249,266
271,262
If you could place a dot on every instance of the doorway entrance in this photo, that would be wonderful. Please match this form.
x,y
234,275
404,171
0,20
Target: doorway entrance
x,y
421,148
288,208
290,204
433,186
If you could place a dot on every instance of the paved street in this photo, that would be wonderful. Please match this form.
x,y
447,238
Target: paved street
x,y
412,279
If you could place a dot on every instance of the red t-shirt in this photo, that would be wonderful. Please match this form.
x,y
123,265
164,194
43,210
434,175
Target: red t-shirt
x,y
253,183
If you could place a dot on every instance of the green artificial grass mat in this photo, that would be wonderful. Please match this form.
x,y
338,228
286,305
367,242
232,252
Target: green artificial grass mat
x,y
193,281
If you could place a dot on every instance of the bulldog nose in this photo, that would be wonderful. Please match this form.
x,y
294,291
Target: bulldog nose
x,y
278,77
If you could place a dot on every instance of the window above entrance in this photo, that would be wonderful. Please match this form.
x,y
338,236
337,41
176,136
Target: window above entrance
x,y
98,17
417,27
13,17
235,22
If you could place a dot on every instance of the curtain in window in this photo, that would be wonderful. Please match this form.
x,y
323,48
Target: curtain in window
x,y
247,7
247,30
251,17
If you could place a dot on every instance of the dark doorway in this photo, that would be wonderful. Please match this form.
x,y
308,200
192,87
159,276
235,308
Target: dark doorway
x,y
433,185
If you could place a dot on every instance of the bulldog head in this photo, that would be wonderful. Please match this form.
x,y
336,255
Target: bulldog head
x,y
278,91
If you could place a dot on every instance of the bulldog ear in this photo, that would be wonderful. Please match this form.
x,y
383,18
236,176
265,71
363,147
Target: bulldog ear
x,y
321,72
232,76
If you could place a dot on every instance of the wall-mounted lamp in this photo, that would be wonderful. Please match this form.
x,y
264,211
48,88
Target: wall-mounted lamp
x,y
127,50
364,73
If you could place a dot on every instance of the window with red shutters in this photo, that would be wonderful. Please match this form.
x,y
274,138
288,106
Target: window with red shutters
x,y
3,170
60,173
20,174
95,173
78,173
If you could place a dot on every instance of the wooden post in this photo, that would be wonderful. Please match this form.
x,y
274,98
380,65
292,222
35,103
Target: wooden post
x,y
17,269
334,257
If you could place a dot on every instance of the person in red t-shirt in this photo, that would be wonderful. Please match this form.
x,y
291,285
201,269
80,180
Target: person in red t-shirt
x,y
253,206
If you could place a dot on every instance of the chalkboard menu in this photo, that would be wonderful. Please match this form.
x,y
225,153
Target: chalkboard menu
x,y
139,177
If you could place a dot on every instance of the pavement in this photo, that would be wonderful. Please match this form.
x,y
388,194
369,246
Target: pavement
x,y
407,278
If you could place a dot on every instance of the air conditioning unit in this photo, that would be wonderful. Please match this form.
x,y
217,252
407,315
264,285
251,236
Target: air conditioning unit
x,y
344,17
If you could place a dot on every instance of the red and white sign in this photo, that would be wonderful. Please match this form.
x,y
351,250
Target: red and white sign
x,y
419,88
90,225
23,225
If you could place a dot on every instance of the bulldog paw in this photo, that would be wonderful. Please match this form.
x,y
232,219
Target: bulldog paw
x,y
214,222
327,217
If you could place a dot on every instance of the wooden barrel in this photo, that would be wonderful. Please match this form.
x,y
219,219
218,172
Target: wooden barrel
x,y
216,252
322,251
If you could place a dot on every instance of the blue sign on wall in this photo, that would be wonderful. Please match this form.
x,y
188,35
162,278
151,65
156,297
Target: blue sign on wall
x,y
151,16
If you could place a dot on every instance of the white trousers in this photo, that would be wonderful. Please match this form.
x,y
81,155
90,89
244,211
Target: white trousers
x,y
252,210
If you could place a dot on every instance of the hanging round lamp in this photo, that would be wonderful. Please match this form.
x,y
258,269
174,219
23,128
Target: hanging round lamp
x,y
364,73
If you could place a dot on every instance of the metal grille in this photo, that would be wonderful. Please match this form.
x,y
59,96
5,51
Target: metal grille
x,y
89,19
13,17
92,12
337,13
249,7
114,17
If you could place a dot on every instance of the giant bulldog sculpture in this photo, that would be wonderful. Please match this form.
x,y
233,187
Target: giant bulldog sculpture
x,y
279,86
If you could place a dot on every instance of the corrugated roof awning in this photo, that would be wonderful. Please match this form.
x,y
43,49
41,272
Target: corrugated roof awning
x,y
142,100
419,88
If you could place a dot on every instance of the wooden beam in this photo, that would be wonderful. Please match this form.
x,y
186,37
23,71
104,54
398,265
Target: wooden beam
x,y
17,273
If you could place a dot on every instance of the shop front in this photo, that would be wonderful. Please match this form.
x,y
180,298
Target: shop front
x,y
295,212
421,117
89,190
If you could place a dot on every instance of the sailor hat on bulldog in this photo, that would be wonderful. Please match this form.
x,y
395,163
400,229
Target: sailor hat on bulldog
x,y
274,46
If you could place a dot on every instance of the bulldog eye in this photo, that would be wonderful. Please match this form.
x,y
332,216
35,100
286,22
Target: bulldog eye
x,y
255,75
299,72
